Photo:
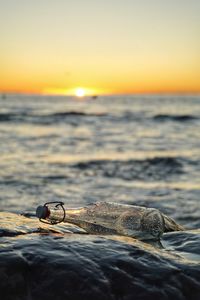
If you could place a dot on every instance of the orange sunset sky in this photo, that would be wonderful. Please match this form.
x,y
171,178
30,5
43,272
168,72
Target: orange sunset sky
x,y
104,47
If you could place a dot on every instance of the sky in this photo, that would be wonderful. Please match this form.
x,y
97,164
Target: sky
x,y
103,47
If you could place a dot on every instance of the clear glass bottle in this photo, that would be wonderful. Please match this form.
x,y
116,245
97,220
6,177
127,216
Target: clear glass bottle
x,y
108,218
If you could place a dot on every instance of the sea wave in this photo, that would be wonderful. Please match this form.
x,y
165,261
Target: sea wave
x,y
157,168
61,116
178,118
46,118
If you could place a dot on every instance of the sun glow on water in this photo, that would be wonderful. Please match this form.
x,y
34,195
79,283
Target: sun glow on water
x,y
80,92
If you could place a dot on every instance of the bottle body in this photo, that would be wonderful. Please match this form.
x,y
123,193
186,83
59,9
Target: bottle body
x,y
113,218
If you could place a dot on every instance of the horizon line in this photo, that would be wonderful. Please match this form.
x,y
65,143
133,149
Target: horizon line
x,y
161,93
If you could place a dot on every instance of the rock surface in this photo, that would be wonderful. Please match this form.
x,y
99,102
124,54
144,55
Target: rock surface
x,y
60,262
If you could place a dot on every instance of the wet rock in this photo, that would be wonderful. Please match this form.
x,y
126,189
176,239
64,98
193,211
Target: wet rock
x,y
48,264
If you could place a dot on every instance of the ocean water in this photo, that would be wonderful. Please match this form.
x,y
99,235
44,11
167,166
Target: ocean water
x,y
140,150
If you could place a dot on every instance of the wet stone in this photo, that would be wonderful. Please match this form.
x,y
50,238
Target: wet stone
x,y
65,264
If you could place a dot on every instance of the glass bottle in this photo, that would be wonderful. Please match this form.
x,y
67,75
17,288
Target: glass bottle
x,y
107,218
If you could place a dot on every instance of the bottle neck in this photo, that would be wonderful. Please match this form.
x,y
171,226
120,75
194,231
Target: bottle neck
x,y
68,215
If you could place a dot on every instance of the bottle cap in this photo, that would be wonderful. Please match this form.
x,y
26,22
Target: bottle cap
x,y
42,212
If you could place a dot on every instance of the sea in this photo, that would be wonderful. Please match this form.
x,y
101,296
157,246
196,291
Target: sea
x,y
131,149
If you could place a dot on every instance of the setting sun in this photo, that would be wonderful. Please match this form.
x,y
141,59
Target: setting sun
x,y
80,92
77,56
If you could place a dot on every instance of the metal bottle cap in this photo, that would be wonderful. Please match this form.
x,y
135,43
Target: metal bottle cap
x,y
42,212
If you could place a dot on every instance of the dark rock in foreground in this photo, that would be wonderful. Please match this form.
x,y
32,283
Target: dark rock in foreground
x,y
56,265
